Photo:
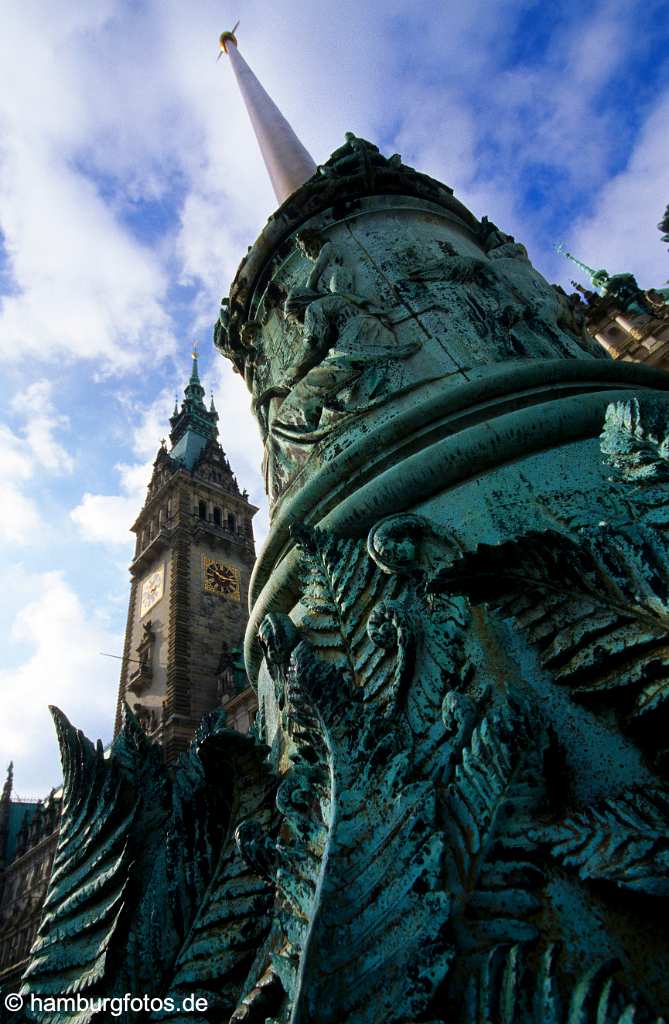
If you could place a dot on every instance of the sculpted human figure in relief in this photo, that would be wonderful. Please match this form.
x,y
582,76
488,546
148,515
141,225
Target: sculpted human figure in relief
x,y
345,362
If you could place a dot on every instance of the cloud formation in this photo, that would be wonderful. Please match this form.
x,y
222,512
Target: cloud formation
x,y
62,666
26,454
106,518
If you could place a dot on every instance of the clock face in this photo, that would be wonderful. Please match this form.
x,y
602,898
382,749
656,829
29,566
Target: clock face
x,y
220,579
152,590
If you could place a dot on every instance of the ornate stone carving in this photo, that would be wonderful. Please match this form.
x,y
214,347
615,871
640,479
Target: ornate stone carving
x,y
142,671
624,841
425,841
348,361
499,245
635,441
597,607
153,896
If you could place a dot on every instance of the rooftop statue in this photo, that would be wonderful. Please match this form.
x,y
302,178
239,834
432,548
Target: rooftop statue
x,y
454,806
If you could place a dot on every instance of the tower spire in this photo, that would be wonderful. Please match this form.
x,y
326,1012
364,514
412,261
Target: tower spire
x,y
598,277
288,163
194,376
7,788
192,426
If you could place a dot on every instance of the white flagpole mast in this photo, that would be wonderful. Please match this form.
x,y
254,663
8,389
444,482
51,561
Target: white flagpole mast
x,y
288,163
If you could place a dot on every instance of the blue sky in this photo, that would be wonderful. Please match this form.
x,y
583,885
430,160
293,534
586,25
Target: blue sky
x,y
130,187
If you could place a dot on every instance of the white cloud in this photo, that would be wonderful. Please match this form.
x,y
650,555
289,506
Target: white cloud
x,y
152,423
42,420
34,448
107,518
240,438
83,287
63,667
16,462
20,521
621,233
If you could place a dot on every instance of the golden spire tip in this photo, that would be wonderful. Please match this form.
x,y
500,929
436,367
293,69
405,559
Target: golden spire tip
x,y
225,38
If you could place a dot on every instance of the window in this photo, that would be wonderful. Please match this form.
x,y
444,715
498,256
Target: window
x,y
232,522
202,510
217,516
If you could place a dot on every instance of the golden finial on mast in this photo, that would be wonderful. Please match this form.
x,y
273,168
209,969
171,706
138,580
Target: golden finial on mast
x,y
194,353
225,38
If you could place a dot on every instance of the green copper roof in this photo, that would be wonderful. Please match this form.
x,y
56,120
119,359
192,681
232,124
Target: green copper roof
x,y
18,812
188,448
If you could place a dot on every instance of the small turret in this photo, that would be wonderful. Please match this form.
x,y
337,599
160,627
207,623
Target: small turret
x,y
5,811
9,783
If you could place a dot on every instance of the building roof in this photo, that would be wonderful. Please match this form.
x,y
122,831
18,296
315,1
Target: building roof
x,y
19,812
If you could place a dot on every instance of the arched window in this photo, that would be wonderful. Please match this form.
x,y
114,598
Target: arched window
x,y
217,516
202,510
232,522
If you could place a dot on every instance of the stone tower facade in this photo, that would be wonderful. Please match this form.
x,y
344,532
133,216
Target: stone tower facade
x,y
28,838
636,337
190,575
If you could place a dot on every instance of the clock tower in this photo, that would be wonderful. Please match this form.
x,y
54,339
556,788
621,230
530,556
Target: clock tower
x,y
190,575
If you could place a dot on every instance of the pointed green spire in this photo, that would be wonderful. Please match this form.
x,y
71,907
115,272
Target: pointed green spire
x,y
599,278
194,390
193,425
194,377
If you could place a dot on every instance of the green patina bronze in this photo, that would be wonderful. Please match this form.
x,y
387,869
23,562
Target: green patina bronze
x,y
455,805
